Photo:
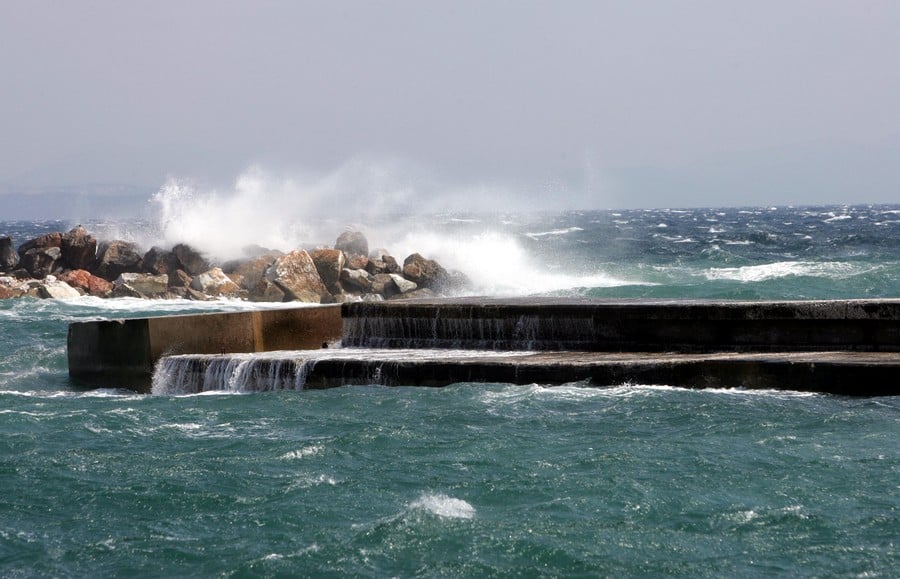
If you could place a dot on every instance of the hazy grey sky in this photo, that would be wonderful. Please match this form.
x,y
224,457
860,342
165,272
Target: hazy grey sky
x,y
593,104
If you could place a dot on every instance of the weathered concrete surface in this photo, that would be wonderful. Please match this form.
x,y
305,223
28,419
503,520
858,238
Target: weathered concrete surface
x,y
625,325
844,373
122,353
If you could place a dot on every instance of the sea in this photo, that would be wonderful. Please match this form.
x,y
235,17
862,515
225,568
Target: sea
x,y
472,480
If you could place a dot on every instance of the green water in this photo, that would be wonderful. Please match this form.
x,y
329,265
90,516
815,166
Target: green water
x,y
470,479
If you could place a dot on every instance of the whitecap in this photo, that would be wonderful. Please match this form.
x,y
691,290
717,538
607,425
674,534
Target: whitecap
x,y
443,506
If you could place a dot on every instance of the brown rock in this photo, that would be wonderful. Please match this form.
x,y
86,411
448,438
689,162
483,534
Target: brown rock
x,y
352,243
159,261
79,248
426,273
296,275
215,283
44,241
250,272
266,291
87,282
191,260
356,279
117,257
383,284
144,284
179,279
8,256
41,261
329,263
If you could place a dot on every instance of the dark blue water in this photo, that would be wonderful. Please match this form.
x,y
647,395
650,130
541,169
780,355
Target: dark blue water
x,y
474,479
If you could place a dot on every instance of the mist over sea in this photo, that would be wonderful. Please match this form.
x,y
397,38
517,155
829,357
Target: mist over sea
x,y
471,479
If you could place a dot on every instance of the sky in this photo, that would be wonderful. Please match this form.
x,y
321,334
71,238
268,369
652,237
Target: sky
x,y
484,105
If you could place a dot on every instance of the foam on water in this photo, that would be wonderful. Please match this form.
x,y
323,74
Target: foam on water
x,y
443,506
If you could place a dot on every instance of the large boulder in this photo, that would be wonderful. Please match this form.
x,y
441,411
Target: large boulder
x,y
8,256
266,291
191,260
10,288
296,275
117,257
247,274
353,243
79,248
403,285
356,279
329,263
88,283
44,241
380,261
160,261
52,288
426,273
142,285
41,261
383,285
215,283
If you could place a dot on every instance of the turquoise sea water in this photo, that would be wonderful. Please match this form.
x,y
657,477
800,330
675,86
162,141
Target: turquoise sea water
x,y
474,479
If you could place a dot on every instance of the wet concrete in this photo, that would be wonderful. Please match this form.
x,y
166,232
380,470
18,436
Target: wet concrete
x,y
844,373
847,347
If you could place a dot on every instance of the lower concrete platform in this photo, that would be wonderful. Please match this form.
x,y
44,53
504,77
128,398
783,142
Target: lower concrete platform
x,y
843,373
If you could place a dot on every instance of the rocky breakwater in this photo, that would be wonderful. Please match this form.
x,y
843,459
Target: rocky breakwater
x,y
75,263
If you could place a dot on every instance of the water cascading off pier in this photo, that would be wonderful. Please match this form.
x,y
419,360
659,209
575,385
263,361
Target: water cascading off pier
x,y
843,347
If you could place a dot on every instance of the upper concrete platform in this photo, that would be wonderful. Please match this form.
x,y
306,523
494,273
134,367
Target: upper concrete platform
x,y
625,325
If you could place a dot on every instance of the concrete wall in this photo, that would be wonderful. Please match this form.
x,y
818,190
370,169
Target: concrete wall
x,y
625,325
122,353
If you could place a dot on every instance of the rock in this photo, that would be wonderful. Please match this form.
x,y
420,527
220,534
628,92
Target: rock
x,y
353,243
422,292
250,272
266,291
85,281
383,285
190,259
179,279
160,261
79,248
355,279
357,261
329,263
8,256
403,285
117,257
10,288
296,275
41,261
52,288
192,294
145,284
215,283
44,241
384,264
427,273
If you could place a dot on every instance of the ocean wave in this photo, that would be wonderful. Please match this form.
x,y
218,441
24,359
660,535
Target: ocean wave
x,y
443,506
780,269
553,232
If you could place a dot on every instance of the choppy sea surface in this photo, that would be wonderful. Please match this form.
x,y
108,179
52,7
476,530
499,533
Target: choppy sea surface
x,y
474,479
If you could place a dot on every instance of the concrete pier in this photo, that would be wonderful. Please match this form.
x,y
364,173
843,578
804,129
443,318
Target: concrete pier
x,y
123,353
849,347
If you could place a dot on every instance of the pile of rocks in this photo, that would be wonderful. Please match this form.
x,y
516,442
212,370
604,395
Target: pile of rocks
x,y
61,265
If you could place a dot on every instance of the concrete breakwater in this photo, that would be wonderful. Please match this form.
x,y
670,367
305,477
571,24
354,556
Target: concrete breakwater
x,y
847,347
